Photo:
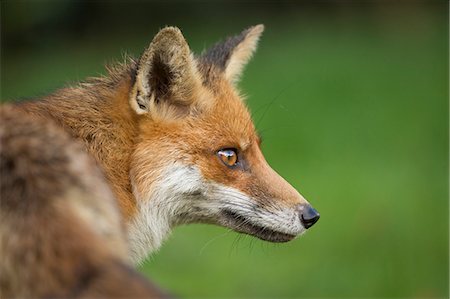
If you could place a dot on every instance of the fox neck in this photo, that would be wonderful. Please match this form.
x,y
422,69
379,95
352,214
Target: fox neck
x,y
161,207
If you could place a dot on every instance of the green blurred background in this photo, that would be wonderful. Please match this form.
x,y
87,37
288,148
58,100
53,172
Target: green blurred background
x,y
352,101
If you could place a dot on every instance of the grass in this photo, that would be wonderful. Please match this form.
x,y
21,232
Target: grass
x,y
354,113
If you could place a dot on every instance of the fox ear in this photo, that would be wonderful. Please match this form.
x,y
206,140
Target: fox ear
x,y
166,76
232,55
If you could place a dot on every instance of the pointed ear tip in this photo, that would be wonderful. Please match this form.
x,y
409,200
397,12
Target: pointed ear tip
x,y
257,29
170,29
171,32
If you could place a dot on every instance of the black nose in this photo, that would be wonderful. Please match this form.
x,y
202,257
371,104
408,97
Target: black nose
x,y
309,216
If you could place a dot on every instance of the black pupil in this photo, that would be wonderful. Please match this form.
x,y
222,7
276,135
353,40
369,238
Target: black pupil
x,y
229,154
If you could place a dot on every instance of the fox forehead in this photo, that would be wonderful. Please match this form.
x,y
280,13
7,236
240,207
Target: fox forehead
x,y
226,123
230,119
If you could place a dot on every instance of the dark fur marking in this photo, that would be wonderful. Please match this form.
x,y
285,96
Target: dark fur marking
x,y
32,158
85,277
220,53
161,77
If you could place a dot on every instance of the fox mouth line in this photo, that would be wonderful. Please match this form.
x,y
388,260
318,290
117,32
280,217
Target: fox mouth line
x,y
241,224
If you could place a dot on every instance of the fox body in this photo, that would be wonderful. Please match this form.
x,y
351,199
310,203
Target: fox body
x,y
61,234
177,144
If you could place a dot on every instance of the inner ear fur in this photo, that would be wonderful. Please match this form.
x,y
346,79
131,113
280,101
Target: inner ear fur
x,y
167,80
231,56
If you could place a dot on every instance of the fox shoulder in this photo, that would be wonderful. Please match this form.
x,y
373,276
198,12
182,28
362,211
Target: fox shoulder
x,y
61,234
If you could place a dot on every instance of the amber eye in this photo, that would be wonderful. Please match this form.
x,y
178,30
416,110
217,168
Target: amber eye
x,y
228,156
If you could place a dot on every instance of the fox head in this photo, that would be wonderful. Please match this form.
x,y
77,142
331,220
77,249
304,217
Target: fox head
x,y
198,156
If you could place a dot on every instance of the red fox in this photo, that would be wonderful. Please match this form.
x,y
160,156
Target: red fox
x,y
177,144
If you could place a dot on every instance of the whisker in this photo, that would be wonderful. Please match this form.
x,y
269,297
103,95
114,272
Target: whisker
x,y
212,240
274,100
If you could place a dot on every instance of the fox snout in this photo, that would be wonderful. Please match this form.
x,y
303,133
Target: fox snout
x,y
308,215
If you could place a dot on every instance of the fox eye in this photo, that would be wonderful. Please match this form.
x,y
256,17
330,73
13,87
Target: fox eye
x,y
228,156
